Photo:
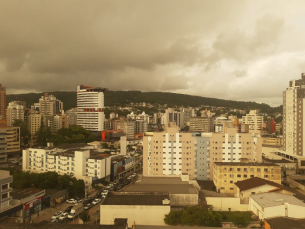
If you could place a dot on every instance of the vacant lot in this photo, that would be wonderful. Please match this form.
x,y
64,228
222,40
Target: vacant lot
x,y
229,216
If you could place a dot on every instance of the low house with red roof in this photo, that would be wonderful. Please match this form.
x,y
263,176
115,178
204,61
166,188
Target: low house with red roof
x,y
256,185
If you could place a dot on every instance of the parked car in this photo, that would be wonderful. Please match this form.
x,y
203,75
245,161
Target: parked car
x,y
57,215
96,201
63,216
79,202
105,192
71,201
87,206
54,221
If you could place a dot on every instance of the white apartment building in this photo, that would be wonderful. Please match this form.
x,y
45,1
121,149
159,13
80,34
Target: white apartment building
x,y
80,160
254,120
90,108
14,110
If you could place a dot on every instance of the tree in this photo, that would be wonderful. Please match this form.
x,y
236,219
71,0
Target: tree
x,y
240,221
25,134
43,135
85,216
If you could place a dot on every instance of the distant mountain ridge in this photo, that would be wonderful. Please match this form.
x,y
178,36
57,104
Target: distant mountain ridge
x,y
122,98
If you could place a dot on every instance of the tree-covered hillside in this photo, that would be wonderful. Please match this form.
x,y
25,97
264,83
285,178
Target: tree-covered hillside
x,y
121,98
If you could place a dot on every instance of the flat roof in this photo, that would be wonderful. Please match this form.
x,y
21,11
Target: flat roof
x,y
245,164
4,174
171,185
20,194
135,198
275,199
119,158
284,223
277,160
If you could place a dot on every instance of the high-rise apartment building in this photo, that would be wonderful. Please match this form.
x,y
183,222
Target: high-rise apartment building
x,y
201,124
254,120
2,106
176,117
294,117
49,105
15,110
174,153
90,108
34,123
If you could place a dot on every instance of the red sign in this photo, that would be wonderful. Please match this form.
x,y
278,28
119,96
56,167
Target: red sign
x,y
31,203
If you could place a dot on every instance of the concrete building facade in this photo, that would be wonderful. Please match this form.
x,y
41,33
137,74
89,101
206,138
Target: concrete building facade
x,y
5,189
49,105
90,108
174,153
14,110
201,124
2,106
34,122
225,174
254,120
83,161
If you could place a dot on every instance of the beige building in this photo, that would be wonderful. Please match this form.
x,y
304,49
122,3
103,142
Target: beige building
x,y
34,123
201,124
175,153
254,120
14,110
49,105
272,141
13,139
226,174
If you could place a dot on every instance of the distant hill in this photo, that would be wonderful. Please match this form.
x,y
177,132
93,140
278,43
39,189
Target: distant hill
x,y
121,98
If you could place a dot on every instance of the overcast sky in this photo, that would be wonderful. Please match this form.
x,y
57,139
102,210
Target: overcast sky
x,y
238,50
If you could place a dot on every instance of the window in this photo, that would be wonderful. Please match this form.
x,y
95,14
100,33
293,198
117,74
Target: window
x,y
266,176
238,169
245,176
245,169
265,170
238,175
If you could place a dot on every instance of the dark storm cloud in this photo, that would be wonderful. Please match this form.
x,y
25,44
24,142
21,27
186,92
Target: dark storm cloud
x,y
173,45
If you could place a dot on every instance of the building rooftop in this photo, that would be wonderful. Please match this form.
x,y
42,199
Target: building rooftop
x,y
284,223
256,182
135,198
271,199
277,160
55,226
171,185
119,158
244,164
20,194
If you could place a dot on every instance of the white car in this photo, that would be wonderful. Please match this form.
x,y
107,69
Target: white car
x,y
87,206
105,192
63,216
96,201
71,201
54,221
57,215
78,202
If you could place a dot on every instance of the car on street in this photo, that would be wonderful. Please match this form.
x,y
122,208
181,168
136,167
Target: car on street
x,y
96,201
79,202
57,215
54,221
87,206
63,216
71,201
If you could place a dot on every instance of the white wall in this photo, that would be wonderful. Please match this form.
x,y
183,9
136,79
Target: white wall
x,y
295,211
141,215
224,203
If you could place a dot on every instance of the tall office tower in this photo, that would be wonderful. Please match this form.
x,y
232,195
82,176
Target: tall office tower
x,y
49,105
293,117
15,110
90,107
34,123
254,120
2,106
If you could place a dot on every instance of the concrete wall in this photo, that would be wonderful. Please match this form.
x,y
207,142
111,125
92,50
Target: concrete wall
x,y
224,203
293,184
262,189
141,215
295,211
183,199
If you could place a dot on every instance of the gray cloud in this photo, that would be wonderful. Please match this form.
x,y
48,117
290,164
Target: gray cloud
x,y
206,48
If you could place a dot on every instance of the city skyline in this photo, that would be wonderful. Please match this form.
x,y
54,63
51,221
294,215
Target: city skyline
x,y
236,50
